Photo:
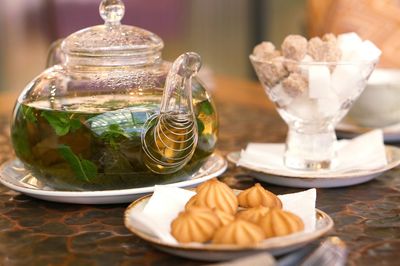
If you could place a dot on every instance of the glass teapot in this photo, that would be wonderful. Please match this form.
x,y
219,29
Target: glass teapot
x,y
113,114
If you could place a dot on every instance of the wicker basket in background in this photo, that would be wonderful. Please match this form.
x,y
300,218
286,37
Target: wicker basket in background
x,y
375,20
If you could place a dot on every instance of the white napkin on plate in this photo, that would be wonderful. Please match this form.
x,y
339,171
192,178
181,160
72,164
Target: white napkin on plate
x,y
166,202
365,152
163,206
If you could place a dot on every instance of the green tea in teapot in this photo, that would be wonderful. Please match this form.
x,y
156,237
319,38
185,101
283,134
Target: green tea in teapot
x,y
95,142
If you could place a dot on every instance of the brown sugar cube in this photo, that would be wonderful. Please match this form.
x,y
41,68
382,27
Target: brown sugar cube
x,y
266,51
292,66
295,84
298,66
329,37
325,49
333,46
272,72
294,47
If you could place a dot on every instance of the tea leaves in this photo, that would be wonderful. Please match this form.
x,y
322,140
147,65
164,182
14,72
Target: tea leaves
x,y
62,123
206,108
113,134
200,126
29,115
84,169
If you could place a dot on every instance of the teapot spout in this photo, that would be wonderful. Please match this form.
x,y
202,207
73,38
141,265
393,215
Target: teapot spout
x,y
169,138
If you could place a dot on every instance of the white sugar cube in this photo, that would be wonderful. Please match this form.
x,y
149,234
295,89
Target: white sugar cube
x,y
319,82
304,64
346,81
348,44
279,96
303,108
367,51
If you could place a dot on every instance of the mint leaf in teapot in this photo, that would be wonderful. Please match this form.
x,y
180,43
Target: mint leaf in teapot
x,y
113,133
115,130
28,113
200,126
75,124
82,168
62,123
206,108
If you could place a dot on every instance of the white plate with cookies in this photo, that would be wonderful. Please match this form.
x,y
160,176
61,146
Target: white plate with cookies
x,y
229,240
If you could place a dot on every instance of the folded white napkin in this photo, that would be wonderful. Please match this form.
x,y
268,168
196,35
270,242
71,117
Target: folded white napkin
x,y
166,203
365,152
303,205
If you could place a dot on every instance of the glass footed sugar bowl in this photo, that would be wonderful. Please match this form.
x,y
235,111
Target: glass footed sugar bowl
x,y
113,114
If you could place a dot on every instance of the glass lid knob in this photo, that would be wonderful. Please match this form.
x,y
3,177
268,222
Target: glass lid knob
x,y
112,11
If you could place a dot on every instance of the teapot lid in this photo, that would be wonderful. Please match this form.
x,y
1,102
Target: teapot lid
x,y
112,40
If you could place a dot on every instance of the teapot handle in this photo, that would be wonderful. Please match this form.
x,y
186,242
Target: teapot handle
x,y
169,138
54,54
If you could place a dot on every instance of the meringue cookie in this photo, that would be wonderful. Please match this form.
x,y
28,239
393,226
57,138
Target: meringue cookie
x,y
224,217
216,194
256,196
254,214
238,232
195,225
280,223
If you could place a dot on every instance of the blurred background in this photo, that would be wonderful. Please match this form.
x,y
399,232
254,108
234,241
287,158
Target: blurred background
x,y
223,32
